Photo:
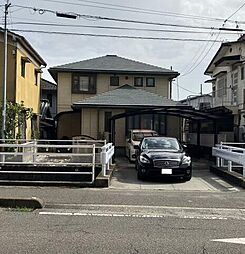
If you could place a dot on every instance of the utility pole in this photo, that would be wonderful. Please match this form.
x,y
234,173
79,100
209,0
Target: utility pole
x,y
4,99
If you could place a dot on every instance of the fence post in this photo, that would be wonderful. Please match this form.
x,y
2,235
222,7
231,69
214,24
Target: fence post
x,y
103,159
221,159
93,164
229,162
34,158
243,165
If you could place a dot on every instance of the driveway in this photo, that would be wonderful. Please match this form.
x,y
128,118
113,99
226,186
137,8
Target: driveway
x,y
125,177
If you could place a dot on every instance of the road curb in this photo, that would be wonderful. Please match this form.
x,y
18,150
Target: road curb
x,y
231,177
104,181
33,203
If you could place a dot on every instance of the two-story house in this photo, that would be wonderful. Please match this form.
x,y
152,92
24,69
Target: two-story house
x,y
228,82
91,92
24,70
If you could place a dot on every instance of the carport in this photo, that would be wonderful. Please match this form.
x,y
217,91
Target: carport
x,y
181,111
109,115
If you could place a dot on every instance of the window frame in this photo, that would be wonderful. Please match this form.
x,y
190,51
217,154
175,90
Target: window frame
x,y
142,81
154,81
23,68
92,85
112,82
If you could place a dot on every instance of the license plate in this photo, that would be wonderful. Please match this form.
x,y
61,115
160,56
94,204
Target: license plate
x,y
166,171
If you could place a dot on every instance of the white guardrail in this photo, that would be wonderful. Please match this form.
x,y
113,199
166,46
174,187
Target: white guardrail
x,y
230,154
82,153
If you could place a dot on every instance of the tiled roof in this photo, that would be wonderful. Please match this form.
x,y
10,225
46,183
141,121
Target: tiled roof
x,y
113,63
127,96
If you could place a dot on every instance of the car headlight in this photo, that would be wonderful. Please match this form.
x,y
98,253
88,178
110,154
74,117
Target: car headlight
x,y
186,160
144,159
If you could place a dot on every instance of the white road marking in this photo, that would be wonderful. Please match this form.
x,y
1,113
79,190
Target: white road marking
x,y
102,214
129,215
138,211
231,240
152,207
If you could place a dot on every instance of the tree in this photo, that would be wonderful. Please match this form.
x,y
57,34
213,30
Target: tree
x,y
16,117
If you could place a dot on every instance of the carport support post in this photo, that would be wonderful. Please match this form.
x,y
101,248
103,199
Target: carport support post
x,y
198,137
113,136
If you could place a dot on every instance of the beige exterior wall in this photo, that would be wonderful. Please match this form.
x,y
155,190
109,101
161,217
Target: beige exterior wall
x,y
66,98
92,124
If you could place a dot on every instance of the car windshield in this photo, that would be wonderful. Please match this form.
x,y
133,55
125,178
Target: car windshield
x,y
161,143
138,136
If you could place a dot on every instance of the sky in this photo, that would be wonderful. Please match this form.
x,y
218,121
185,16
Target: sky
x,y
189,58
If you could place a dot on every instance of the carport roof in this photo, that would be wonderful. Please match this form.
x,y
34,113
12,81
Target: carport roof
x,y
127,96
139,101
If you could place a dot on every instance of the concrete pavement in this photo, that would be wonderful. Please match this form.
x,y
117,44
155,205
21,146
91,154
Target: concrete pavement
x,y
125,178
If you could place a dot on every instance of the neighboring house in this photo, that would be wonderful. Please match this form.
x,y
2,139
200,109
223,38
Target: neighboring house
x,y
111,87
49,92
23,77
199,102
223,126
228,82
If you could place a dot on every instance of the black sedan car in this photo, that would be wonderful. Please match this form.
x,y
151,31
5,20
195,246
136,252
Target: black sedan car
x,y
162,156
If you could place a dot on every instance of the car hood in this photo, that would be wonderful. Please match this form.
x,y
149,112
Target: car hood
x,y
159,154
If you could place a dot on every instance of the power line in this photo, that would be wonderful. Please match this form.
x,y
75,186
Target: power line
x,y
235,12
42,11
111,35
185,89
198,54
116,28
139,10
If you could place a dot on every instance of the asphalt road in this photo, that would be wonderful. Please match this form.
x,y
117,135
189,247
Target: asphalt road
x,y
129,217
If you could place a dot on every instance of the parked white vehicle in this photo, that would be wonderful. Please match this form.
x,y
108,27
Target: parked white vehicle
x,y
134,138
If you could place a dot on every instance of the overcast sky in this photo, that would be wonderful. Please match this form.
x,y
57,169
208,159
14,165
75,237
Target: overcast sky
x,y
182,56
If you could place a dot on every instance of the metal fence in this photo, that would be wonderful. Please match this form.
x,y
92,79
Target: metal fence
x,y
56,153
229,156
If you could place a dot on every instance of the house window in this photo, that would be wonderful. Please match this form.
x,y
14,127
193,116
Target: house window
x,y
83,83
150,82
221,86
36,77
138,81
23,68
114,81
50,99
242,73
108,116
234,94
